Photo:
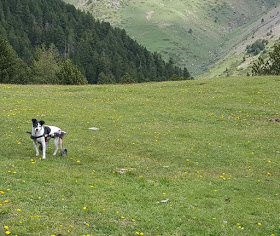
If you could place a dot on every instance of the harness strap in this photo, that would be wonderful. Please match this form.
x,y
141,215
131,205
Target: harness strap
x,y
35,137
46,134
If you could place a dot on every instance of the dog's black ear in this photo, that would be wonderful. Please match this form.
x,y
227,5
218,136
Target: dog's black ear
x,y
34,120
41,122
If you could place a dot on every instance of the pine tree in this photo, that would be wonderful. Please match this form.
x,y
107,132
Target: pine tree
x,y
127,79
106,79
186,73
271,66
46,65
12,68
69,74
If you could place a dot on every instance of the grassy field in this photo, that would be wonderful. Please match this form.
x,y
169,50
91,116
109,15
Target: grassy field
x,y
196,158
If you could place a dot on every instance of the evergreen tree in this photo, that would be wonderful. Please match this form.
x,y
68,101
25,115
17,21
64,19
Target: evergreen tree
x,y
69,74
271,66
12,68
106,79
46,65
186,73
127,79
117,66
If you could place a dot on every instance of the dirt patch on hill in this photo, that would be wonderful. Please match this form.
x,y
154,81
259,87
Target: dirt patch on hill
x,y
149,15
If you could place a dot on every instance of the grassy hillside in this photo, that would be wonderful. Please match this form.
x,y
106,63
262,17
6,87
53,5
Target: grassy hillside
x,y
237,62
197,158
196,33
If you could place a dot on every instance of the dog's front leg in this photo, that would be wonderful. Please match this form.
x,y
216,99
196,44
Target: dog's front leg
x,y
44,148
36,148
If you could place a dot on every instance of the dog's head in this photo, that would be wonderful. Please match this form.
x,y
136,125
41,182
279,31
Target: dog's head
x,y
37,125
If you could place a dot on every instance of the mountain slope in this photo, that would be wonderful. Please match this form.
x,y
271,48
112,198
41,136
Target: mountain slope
x,y
195,33
238,62
103,54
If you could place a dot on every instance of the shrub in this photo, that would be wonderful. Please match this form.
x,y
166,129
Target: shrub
x,y
69,74
271,66
106,79
12,68
256,47
127,79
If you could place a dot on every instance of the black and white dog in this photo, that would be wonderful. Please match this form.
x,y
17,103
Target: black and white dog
x,y
42,135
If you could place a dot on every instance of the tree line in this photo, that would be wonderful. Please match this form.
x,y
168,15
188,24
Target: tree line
x,y
50,41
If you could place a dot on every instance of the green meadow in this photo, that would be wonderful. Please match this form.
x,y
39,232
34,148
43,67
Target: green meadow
x,y
174,158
